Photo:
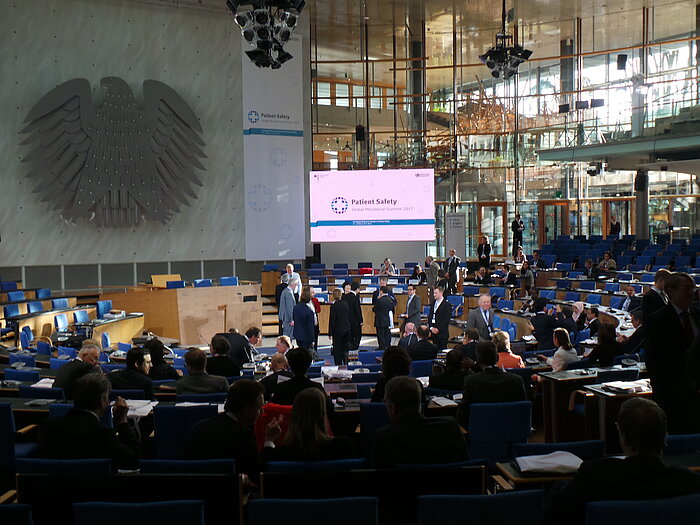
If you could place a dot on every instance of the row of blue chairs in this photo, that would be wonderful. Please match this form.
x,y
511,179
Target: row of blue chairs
x,y
203,283
18,296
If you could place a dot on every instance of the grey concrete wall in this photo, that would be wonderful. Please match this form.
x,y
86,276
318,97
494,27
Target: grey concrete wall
x,y
195,51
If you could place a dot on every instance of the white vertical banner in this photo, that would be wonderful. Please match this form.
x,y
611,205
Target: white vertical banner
x,y
273,163
456,234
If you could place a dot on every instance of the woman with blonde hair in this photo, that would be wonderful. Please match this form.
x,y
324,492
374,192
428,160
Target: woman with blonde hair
x,y
506,358
307,437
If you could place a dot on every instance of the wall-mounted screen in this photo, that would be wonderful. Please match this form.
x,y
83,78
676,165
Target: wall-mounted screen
x,y
372,205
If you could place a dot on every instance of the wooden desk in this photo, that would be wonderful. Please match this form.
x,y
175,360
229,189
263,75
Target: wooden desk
x,y
121,330
514,476
270,280
29,294
192,315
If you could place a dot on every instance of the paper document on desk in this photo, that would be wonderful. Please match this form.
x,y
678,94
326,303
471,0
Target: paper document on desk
x,y
47,382
628,387
558,462
189,404
140,408
444,402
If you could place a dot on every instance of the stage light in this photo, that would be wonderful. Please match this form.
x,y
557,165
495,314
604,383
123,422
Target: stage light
x,y
267,26
504,59
597,102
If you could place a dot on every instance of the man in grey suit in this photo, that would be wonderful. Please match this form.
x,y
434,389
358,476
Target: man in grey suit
x,y
287,304
481,318
431,270
413,307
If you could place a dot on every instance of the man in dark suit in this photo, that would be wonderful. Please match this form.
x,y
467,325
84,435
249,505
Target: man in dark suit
x,y
517,227
631,302
641,475
491,385
230,434
635,342
87,362
280,373
413,306
439,318
592,322
382,322
587,269
339,327
383,282
356,320
278,296
423,349
452,270
135,375
409,336
412,438
198,381
243,346
543,325
614,226
80,435
470,340
671,332
220,364
537,261
481,318
655,298
453,376
299,363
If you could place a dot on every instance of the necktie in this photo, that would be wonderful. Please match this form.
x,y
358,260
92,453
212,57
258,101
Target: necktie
x,y
687,326
626,306
408,303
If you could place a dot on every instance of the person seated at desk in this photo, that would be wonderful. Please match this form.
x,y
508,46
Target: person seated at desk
x,y
299,362
506,358
491,385
510,277
538,262
469,341
160,369
278,373
579,315
307,437
87,362
243,346
543,324
527,279
135,375
587,269
603,353
631,302
409,336
635,342
199,382
423,349
220,364
607,265
641,475
411,438
388,268
419,275
592,322
453,376
565,316
80,435
482,277
230,434
395,362
565,354
283,344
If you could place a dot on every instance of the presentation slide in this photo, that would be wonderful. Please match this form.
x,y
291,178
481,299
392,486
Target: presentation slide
x,y
372,205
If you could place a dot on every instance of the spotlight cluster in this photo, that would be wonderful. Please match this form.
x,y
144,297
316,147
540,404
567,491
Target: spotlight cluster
x,y
267,25
503,59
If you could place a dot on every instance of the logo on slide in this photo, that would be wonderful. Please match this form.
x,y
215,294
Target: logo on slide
x,y
253,117
339,205
278,157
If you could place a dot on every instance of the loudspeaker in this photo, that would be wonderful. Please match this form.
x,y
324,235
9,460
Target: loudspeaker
x,y
641,181
359,133
564,108
581,104
621,62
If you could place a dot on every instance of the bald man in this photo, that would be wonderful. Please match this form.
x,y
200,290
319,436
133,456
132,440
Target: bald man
x,y
87,362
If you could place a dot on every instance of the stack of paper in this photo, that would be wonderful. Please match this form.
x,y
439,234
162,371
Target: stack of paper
x,y
47,382
559,462
628,387
140,408
444,402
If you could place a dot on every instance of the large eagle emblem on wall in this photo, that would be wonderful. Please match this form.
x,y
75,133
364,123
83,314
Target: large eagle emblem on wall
x,y
116,164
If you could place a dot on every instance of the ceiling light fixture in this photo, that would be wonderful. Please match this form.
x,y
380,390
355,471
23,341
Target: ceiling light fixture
x,y
504,58
267,26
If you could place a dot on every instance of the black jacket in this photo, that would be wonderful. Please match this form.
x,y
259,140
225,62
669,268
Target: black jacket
x,y
336,448
270,382
491,385
651,303
241,349
450,380
286,392
633,478
442,318
79,435
163,372
468,350
355,312
416,439
422,350
223,365
339,320
381,309
544,326
68,374
128,378
222,437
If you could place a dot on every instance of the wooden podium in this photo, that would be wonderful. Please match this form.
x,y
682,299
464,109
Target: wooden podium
x,y
193,315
